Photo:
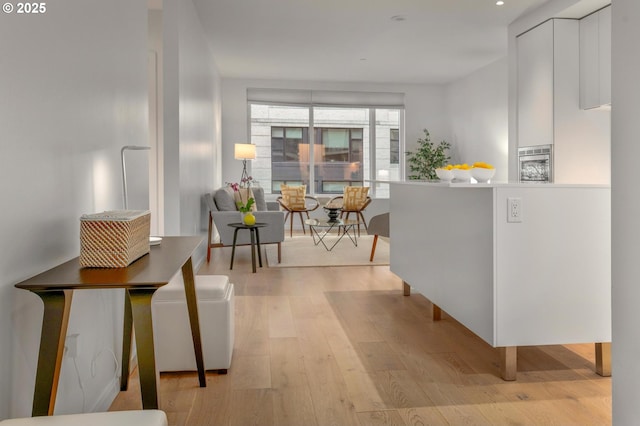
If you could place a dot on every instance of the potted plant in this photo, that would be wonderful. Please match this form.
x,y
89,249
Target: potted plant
x,y
244,207
427,158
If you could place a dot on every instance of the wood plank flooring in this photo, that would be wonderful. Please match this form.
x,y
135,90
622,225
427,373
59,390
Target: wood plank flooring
x,y
343,346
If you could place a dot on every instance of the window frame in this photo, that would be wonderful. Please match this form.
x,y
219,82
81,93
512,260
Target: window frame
x,y
369,177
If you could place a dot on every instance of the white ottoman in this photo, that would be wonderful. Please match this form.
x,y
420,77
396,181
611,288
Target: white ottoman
x,y
112,418
172,333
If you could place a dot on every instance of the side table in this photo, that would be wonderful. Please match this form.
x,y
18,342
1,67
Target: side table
x,y
344,225
255,241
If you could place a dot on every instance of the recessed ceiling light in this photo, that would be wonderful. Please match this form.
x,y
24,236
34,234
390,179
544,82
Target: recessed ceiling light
x,y
499,3
399,18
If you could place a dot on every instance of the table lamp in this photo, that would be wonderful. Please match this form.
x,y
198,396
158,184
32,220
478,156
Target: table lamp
x,y
244,152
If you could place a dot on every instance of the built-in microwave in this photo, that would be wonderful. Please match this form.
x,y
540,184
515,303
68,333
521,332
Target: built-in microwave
x,y
535,163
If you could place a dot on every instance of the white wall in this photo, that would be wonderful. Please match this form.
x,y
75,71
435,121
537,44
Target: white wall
x,y
74,90
626,210
156,130
200,97
477,108
192,93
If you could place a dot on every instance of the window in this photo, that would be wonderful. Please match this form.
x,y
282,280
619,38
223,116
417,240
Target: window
x,y
285,143
394,149
343,145
324,147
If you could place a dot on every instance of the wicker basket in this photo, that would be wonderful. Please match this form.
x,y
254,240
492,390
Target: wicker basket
x,y
114,239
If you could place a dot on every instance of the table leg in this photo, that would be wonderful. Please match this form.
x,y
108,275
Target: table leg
x,y
603,359
253,247
57,305
508,362
436,313
233,248
348,230
406,288
192,307
127,330
258,245
149,377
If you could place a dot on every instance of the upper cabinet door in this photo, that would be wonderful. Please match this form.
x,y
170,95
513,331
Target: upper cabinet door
x,y
589,62
604,39
595,59
535,85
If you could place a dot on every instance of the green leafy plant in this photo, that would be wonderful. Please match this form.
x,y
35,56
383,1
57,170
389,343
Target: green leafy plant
x,y
245,208
427,158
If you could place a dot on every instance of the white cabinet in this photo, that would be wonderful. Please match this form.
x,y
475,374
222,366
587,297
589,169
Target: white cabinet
x,y
548,102
535,85
595,59
547,69
543,281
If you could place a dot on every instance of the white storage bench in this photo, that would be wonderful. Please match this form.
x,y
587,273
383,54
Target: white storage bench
x,y
172,335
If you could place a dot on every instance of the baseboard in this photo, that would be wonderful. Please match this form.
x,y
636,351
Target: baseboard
x,y
112,390
107,397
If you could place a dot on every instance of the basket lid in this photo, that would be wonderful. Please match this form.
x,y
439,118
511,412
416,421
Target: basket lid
x,y
115,215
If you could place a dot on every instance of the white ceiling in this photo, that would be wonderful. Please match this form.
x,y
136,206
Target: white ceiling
x,y
356,40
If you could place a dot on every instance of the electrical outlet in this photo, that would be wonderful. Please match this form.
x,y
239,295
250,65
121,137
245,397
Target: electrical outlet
x,y
71,346
514,209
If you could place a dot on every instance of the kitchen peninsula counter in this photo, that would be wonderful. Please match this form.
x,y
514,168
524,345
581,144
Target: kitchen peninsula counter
x,y
542,279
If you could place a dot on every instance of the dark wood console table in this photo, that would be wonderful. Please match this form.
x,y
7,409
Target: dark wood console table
x,y
140,280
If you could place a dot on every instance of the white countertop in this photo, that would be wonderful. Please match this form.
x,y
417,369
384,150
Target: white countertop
x,y
441,184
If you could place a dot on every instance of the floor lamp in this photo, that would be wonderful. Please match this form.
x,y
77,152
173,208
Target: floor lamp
x,y
124,169
244,152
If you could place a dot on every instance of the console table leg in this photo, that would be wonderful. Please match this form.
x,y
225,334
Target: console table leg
x,y
127,334
194,322
508,362
57,306
603,359
406,288
149,377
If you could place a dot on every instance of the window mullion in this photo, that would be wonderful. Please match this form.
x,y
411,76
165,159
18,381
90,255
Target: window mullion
x,y
402,158
312,160
372,151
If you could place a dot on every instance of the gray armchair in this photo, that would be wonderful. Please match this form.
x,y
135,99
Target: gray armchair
x,y
378,226
222,212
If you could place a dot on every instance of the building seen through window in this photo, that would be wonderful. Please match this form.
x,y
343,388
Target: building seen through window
x,y
325,148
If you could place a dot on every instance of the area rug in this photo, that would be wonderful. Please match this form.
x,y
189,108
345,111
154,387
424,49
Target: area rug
x,y
299,251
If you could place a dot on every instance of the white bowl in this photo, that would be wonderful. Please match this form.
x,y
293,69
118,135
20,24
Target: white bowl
x,y
462,175
445,175
482,175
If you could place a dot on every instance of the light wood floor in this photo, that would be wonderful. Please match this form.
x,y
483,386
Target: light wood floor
x,y
343,346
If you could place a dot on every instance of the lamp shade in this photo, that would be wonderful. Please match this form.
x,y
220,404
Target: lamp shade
x,y
245,151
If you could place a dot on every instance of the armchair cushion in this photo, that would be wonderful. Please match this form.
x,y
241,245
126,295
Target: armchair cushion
x,y
293,196
355,197
261,202
223,198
